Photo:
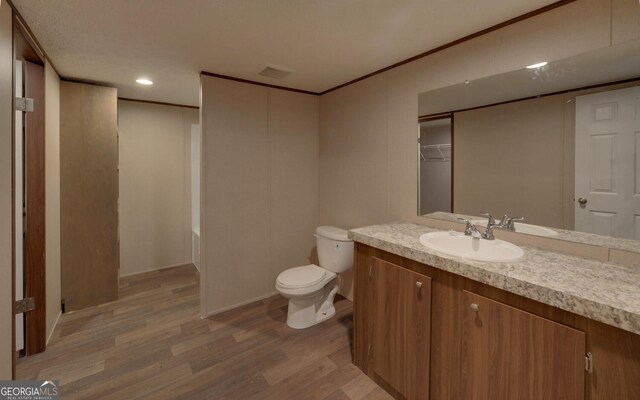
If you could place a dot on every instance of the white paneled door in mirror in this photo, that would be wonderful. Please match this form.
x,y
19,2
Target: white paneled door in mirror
x,y
607,192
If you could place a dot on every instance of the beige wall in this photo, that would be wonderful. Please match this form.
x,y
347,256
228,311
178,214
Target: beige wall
x,y
155,185
293,180
626,21
6,242
259,188
569,30
510,159
353,154
52,195
353,175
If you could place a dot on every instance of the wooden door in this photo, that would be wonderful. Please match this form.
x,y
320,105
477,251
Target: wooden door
x,y
88,195
608,163
34,239
511,354
400,340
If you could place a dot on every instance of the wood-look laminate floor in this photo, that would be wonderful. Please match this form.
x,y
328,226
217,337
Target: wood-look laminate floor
x,y
151,343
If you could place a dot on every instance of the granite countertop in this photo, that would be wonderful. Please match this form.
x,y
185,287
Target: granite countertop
x,y
605,292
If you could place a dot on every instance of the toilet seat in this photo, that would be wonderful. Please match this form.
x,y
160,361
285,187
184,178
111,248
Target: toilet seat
x,y
301,277
311,289
303,281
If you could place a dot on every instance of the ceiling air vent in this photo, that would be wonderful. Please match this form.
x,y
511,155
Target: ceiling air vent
x,y
273,71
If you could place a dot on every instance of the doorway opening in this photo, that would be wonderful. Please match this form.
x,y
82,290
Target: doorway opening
x,y
435,171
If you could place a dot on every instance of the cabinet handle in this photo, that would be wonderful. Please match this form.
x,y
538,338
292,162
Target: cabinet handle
x,y
419,285
475,307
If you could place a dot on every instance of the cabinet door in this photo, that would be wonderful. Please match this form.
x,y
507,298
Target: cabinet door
x,y
401,328
511,354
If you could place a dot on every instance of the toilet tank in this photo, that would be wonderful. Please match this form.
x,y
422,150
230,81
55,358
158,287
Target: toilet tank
x,y
335,249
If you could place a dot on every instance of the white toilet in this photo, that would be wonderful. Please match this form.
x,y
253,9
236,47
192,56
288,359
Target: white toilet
x,y
311,289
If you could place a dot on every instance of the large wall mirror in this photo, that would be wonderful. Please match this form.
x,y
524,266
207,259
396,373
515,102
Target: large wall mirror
x,y
557,144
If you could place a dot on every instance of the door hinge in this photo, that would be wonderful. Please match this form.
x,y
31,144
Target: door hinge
x,y
370,271
369,350
24,104
588,363
25,305
62,306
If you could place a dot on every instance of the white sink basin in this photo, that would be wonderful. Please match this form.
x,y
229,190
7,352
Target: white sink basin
x,y
459,245
521,228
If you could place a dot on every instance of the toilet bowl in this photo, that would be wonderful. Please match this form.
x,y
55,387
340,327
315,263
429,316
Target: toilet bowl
x,y
311,289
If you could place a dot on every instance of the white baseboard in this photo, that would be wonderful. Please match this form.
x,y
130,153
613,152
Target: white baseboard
x,y
55,324
155,269
221,310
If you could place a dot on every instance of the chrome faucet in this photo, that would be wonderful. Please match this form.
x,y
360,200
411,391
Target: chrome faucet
x,y
509,223
505,223
491,223
470,229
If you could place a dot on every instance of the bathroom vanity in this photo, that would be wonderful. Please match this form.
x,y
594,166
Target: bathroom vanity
x,y
550,326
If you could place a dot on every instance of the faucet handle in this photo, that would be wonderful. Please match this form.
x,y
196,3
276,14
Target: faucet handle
x,y
503,221
466,221
491,221
470,229
510,222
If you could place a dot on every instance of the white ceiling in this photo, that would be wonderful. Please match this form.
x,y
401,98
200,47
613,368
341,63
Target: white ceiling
x,y
328,42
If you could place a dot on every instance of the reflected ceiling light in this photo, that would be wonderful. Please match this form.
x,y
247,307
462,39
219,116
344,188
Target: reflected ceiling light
x,y
538,65
144,81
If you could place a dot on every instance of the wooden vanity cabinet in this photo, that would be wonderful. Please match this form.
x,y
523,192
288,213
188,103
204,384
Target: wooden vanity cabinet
x,y
461,339
392,332
401,318
508,353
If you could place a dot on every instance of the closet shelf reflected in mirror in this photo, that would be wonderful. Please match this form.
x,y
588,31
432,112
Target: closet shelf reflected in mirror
x,y
435,152
434,170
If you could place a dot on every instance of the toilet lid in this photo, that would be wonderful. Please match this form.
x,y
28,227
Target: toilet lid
x,y
300,277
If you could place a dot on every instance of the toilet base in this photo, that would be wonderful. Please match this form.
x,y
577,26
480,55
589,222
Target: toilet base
x,y
310,310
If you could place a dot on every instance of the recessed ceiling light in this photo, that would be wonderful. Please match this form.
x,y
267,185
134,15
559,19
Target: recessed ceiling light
x,y
538,65
144,81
